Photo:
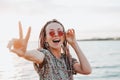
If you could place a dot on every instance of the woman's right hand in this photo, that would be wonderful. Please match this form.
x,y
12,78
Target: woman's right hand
x,y
19,45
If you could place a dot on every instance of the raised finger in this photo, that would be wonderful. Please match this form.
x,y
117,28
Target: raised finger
x,y
73,30
28,34
20,31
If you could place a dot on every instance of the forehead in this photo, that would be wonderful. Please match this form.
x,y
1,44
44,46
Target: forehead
x,y
54,26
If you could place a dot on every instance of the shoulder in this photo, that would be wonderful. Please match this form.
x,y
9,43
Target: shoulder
x,y
43,50
46,52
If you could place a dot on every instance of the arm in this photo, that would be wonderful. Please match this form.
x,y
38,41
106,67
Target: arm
x,y
34,55
83,67
19,46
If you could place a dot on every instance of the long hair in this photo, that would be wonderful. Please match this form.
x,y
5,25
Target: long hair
x,y
42,43
42,35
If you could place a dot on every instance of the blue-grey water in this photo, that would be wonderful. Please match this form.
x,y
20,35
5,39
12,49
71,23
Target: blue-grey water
x,y
104,57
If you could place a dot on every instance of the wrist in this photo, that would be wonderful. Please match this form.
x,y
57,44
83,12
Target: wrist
x,y
74,43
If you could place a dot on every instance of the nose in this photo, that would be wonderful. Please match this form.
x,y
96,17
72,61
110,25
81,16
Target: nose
x,y
56,33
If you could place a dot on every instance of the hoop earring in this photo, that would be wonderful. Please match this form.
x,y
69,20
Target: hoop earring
x,y
46,44
62,49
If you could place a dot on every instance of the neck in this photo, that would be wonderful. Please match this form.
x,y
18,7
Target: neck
x,y
56,52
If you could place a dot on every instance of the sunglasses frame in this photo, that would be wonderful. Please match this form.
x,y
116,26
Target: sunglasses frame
x,y
59,32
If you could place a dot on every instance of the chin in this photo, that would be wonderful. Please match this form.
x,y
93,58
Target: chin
x,y
56,47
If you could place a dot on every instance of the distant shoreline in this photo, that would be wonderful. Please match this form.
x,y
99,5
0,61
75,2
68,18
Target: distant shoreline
x,y
94,39
100,39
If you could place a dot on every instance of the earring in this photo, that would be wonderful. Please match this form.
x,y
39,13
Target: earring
x,y
62,49
46,44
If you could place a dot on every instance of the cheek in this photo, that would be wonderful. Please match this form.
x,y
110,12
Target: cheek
x,y
48,38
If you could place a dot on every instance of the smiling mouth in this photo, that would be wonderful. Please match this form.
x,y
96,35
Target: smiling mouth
x,y
56,41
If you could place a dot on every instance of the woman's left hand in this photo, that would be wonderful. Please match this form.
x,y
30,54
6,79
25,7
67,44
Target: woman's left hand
x,y
70,36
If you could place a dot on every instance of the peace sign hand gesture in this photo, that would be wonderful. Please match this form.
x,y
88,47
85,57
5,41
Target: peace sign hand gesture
x,y
19,45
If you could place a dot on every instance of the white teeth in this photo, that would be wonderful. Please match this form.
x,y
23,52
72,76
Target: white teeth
x,y
57,40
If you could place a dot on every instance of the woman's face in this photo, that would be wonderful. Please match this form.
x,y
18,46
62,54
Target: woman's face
x,y
54,35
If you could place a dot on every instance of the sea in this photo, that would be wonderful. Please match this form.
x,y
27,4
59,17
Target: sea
x,y
103,56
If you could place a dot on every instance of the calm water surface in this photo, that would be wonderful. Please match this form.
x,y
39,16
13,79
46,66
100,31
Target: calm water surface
x,y
104,57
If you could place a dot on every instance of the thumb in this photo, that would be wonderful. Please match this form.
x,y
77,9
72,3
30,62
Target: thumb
x,y
19,52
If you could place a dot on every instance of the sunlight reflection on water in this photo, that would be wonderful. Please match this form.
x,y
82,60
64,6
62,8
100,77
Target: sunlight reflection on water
x,y
13,67
104,58
7,68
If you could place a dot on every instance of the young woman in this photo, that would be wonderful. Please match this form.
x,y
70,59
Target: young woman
x,y
52,60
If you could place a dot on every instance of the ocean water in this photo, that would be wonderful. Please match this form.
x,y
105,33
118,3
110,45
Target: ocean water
x,y
104,57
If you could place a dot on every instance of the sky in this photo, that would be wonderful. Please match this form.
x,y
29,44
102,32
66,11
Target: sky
x,y
89,18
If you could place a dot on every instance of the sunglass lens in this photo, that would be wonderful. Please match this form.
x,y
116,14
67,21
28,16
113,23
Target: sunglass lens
x,y
60,33
52,33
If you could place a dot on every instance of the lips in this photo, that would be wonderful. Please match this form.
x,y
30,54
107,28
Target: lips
x,y
56,41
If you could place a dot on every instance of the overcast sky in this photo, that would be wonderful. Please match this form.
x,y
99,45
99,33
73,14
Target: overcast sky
x,y
90,18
